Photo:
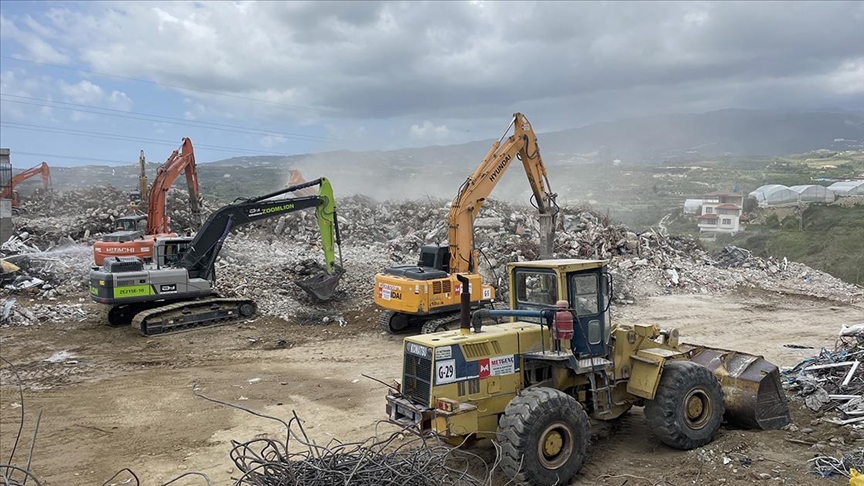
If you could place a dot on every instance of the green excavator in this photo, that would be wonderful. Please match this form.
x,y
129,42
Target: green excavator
x,y
177,291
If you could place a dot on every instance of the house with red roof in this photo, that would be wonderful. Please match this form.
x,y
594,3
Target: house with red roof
x,y
721,213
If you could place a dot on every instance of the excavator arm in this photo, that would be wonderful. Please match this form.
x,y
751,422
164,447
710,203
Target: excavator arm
x,y
41,169
181,160
521,145
200,258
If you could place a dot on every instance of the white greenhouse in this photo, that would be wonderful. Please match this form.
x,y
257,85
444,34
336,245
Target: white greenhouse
x,y
691,206
813,193
848,188
774,195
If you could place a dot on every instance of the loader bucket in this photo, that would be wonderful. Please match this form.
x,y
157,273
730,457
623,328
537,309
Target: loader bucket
x,y
323,285
751,386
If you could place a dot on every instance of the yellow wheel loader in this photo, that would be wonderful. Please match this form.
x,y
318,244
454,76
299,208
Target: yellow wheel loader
x,y
426,296
532,383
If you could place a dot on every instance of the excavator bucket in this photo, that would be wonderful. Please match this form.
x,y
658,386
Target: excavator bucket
x,y
751,386
323,285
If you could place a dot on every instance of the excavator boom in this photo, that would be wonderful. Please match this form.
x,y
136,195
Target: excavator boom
x,y
181,160
522,145
41,169
139,243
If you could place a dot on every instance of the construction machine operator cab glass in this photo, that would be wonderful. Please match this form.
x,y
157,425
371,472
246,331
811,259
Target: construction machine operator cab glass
x,y
536,289
131,223
169,252
589,293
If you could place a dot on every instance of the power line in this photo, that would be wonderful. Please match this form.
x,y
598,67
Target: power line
x,y
125,138
158,118
166,85
58,156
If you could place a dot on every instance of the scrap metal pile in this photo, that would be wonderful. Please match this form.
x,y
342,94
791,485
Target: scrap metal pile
x,y
833,381
395,459
399,458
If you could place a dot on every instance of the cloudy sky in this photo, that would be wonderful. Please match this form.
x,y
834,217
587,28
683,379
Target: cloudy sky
x,y
95,82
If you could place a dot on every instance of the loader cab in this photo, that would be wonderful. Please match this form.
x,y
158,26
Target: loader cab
x,y
584,284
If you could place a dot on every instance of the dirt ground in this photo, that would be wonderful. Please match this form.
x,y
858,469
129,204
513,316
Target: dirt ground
x,y
122,400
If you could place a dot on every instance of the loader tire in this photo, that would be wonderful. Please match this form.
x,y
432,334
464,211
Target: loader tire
x,y
544,436
687,409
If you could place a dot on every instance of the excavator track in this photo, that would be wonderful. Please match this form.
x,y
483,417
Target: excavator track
x,y
395,322
185,316
448,322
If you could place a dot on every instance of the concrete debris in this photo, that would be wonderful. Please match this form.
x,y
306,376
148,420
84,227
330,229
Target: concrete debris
x,y
262,260
85,214
16,315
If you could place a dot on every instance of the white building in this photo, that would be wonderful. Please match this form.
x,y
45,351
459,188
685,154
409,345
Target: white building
x,y
721,213
813,193
848,188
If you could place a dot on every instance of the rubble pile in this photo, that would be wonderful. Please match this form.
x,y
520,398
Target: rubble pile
x,y
267,271
833,381
86,214
75,214
849,201
262,259
42,275
58,270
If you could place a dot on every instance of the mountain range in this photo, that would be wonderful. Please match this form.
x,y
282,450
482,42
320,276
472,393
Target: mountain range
x,y
438,170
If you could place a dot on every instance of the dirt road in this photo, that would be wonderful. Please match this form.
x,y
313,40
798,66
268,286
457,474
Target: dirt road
x,y
116,399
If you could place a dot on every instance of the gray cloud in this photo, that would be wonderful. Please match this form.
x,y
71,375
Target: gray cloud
x,y
464,64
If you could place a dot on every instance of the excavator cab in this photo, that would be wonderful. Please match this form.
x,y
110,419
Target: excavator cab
x,y
169,251
131,223
435,256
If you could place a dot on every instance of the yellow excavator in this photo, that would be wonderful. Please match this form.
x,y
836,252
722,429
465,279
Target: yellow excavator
x,y
426,295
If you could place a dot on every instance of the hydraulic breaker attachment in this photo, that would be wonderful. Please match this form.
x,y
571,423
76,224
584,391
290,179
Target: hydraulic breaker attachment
x,y
323,285
751,386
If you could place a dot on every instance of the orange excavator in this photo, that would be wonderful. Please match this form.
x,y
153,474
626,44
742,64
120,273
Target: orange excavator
x,y
427,295
41,169
136,234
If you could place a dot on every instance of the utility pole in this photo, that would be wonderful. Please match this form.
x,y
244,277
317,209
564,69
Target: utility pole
x,y
142,177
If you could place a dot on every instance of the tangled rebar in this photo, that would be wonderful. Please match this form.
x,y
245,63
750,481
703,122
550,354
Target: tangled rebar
x,y
10,474
827,465
400,458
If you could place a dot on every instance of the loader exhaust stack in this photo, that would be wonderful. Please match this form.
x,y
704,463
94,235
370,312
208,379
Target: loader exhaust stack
x,y
751,386
465,305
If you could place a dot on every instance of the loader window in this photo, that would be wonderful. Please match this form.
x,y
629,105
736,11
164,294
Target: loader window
x,y
585,294
538,289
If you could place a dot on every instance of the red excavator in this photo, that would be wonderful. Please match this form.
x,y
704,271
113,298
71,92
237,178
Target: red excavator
x,y
41,169
136,234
